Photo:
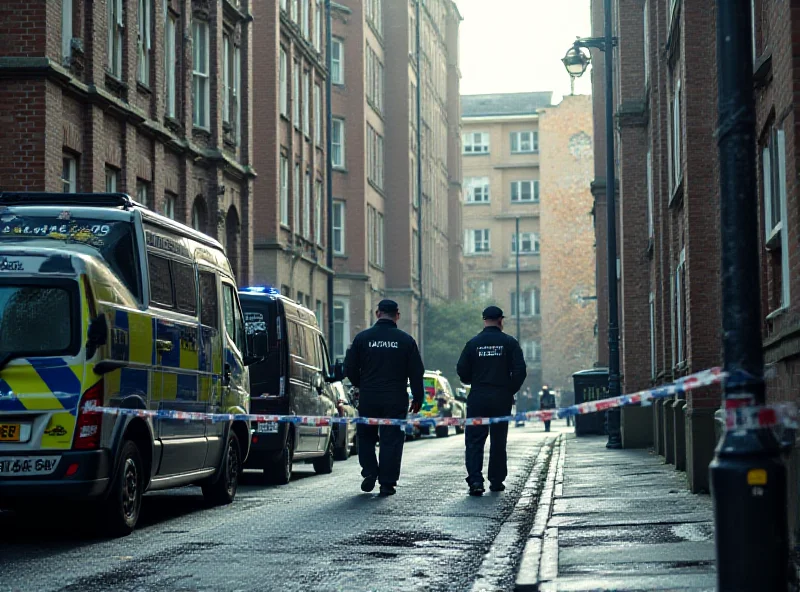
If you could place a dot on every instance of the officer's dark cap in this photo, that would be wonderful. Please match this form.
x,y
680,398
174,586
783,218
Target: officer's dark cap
x,y
388,307
492,313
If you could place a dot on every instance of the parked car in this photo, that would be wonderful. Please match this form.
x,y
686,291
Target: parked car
x,y
293,379
346,441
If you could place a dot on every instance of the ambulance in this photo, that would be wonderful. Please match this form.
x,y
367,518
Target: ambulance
x,y
106,305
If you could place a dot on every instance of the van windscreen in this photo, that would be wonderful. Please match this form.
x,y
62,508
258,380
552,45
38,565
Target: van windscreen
x,y
260,314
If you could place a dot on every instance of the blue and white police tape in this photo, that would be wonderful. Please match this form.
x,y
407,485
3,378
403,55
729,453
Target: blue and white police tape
x,y
741,418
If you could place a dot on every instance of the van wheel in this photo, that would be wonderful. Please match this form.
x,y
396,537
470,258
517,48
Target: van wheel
x,y
442,431
342,452
279,472
324,464
459,429
121,509
223,490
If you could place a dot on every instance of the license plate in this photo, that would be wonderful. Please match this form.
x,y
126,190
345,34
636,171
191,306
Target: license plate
x,y
268,427
18,466
10,432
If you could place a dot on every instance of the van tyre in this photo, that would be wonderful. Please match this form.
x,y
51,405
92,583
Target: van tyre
x,y
279,472
223,490
459,429
324,464
122,508
442,431
342,452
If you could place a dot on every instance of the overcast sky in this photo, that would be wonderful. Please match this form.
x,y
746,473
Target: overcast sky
x,y
517,45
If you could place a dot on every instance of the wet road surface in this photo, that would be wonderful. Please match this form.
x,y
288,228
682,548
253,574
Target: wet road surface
x,y
319,533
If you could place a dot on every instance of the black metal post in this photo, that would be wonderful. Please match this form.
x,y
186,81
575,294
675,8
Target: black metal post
x,y
516,239
418,57
748,476
612,415
329,167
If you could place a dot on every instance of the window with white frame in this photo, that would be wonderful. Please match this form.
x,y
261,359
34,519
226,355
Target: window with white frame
x,y
528,303
337,144
338,227
169,205
773,163
530,351
284,190
374,157
477,241
676,135
112,180
170,65
341,327
295,10
69,174
337,61
650,197
414,184
296,95
143,193
318,25
296,200
66,31
374,79
529,243
414,254
524,191
201,84
374,12
307,103
475,143
317,115
522,142
305,19
320,313
412,34
116,36
284,5
318,211
284,83
680,308
653,361
307,206
379,239
371,217
143,43
477,190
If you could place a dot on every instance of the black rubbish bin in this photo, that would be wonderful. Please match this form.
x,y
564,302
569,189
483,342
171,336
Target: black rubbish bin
x,y
590,385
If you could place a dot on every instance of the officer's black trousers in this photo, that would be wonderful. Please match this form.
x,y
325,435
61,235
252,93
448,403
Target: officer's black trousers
x,y
475,437
392,439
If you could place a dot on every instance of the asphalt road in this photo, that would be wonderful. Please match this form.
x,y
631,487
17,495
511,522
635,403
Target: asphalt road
x,y
319,533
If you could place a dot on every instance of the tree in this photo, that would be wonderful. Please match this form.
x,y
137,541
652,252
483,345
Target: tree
x,y
447,328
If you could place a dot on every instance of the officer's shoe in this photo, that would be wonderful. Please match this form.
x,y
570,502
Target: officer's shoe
x,y
387,490
368,484
476,489
497,486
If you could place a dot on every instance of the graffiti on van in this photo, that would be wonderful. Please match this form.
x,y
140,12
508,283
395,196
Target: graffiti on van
x,y
254,323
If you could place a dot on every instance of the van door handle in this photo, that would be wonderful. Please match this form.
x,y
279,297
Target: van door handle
x,y
163,345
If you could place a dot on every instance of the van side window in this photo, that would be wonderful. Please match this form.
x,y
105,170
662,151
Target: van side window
x,y
323,351
160,281
234,324
209,306
185,287
296,339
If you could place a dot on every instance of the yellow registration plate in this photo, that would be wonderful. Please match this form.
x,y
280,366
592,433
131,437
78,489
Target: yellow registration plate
x,y
9,432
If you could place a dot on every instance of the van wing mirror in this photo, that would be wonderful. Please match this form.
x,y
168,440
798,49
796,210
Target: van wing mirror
x,y
338,371
97,335
256,348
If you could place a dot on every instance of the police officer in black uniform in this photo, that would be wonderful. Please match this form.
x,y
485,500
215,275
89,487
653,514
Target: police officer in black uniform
x,y
380,363
493,363
547,401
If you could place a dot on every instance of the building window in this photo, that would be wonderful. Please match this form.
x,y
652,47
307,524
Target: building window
x,y
475,143
338,227
374,157
646,36
522,142
477,189
169,205
317,115
143,193
170,65
199,215
112,180
374,10
477,241
412,34
200,72
284,190
676,133
307,103
530,351
296,95
528,303
680,308
305,20
318,212
66,31
318,25
341,327
295,10
337,144
773,162
375,76
307,206
116,28
296,199
650,197
377,240
337,61
284,86
482,289
143,43
231,84
653,362
524,191
415,254
529,243
69,174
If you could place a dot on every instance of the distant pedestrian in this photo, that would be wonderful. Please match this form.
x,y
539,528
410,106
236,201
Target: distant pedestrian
x,y
547,400
380,363
524,404
493,363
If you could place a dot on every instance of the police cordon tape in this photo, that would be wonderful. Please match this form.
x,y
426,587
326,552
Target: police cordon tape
x,y
740,418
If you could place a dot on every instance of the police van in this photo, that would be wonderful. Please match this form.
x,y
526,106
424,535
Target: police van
x,y
104,303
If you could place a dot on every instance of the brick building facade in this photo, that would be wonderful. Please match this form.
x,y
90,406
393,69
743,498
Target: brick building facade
x,y
289,130
150,98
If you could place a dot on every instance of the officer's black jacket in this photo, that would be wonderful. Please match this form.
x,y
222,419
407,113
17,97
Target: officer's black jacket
x,y
381,361
493,364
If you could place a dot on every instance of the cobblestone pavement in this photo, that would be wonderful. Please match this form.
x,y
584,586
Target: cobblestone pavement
x,y
319,533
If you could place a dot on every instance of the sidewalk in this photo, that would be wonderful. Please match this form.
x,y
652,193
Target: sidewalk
x,y
618,520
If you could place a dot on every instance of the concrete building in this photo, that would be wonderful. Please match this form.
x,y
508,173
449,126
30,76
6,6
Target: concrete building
x,y
568,311
289,130
500,161
151,98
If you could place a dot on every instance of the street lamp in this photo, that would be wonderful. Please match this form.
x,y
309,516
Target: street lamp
x,y
576,60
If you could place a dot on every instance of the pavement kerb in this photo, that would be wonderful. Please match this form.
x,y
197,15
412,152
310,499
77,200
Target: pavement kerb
x,y
540,556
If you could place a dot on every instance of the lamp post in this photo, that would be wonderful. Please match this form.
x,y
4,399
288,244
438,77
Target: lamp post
x,y
576,60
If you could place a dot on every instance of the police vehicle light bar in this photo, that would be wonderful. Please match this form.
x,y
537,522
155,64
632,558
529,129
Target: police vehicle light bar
x,y
97,200
261,290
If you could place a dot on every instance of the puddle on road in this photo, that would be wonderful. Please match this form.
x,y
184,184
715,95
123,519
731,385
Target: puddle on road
x,y
400,538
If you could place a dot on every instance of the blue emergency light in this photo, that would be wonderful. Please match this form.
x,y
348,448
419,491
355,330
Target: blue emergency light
x,y
261,290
